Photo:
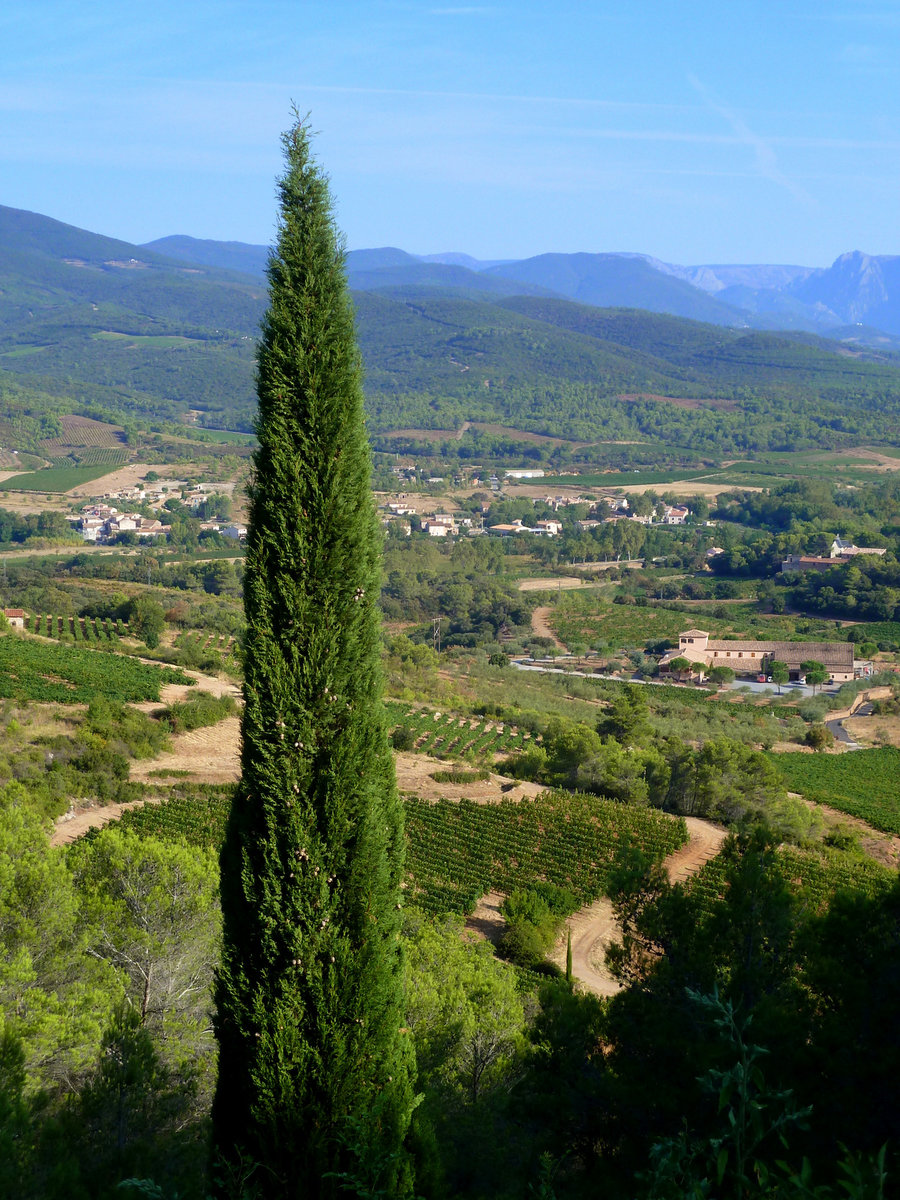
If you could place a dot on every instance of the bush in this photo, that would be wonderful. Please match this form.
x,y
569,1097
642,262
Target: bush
x,y
197,713
819,737
403,738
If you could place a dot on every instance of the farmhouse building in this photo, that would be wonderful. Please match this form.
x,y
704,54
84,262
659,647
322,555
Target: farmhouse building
x,y
15,617
756,658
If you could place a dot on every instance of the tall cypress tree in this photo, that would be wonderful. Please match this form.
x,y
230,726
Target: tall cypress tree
x,y
315,1072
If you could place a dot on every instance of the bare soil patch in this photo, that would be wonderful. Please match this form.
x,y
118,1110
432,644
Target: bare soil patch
x,y
879,461
414,776
125,477
686,487
210,755
559,583
540,623
680,401
486,923
868,730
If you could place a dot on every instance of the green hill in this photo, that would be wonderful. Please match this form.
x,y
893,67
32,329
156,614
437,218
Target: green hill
x,y
97,326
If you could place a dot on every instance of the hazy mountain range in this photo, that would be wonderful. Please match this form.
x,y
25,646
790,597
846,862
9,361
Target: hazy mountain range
x,y
854,298
561,344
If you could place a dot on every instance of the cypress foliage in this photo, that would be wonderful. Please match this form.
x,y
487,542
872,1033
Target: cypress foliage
x,y
315,1073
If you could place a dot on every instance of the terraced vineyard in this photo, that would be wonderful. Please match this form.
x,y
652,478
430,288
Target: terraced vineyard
x,y
448,735
75,675
207,643
98,630
862,784
458,851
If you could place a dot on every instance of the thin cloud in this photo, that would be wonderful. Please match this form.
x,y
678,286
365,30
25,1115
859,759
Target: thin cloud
x,y
766,159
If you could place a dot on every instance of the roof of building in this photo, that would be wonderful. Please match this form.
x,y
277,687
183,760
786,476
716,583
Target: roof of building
x,y
691,653
830,654
694,633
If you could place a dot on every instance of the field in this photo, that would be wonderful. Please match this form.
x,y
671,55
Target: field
x,y
80,629
863,784
55,479
152,341
617,479
813,876
72,675
592,618
446,735
459,851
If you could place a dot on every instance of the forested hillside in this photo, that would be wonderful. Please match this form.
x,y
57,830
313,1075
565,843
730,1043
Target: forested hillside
x,y
93,325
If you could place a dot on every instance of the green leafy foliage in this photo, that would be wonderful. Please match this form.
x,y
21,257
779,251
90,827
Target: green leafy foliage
x,y
314,1074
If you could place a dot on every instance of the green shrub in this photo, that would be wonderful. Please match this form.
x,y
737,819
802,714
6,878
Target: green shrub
x,y
403,738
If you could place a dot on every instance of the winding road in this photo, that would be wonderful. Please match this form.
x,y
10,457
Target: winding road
x,y
594,927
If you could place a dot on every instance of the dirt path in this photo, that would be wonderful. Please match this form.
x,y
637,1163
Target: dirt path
x,y
705,843
541,625
70,827
486,922
174,693
558,583
594,927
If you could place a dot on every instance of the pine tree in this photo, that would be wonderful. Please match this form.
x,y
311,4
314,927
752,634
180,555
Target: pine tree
x,y
315,1072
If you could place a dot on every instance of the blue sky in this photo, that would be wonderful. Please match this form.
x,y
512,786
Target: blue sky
x,y
692,131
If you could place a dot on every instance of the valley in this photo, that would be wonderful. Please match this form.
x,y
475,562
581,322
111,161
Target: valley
x,y
565,493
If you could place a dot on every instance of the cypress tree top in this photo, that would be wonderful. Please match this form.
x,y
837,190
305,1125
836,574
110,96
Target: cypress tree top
x,y
314,1072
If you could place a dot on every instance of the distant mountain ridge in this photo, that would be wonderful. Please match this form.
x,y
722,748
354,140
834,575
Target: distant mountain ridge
x,y
858,289
127,333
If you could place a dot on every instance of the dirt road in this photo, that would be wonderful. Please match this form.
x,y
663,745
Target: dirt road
x,y
594,927
70,827
540,623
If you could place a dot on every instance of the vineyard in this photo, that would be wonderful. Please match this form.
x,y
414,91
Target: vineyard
x,y
96,630
90,456
449,736
78,432
458,851
862,784
53,479
813,876
76,675
202,642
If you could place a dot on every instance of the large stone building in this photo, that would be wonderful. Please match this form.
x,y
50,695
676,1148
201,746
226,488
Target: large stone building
x,y
756,658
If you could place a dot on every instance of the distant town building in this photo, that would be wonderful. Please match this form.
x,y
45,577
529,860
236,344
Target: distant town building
x,y
15,617
842,549
675,515
530,473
